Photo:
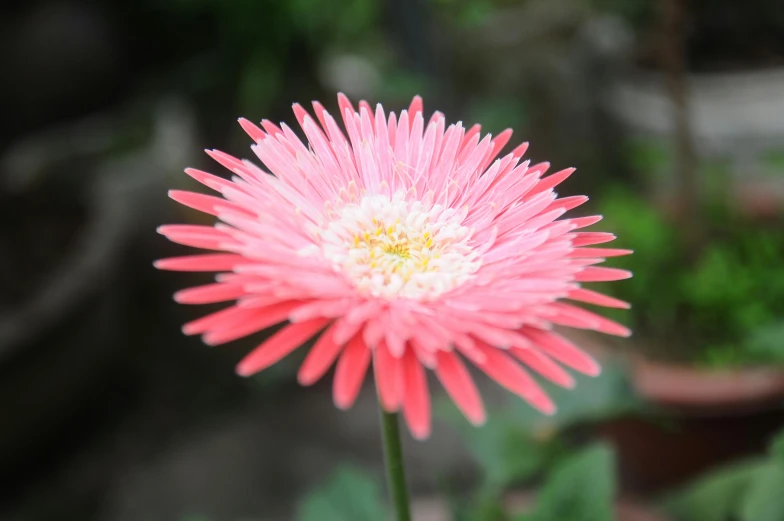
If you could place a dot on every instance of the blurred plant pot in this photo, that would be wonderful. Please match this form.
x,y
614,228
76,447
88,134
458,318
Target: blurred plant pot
x,y
707,391
56,332
626,509
702,418
737,123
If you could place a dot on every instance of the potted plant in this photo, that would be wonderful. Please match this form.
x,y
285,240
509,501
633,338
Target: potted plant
x,y
748,490
709,349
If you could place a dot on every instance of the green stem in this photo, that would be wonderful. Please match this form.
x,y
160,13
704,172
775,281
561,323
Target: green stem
x,y
393,458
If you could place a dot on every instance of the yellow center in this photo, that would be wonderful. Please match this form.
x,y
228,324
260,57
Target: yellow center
x,y
391,247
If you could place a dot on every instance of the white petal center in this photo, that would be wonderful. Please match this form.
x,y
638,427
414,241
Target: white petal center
x,y
391,247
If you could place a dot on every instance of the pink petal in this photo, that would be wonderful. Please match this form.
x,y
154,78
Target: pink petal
x,y
416,399
209,294
211,262
223,318
350,372
209,180
568,203
320,358
507,373
458,383
470,135
206,237
557,347
279,345
208,204
416,105
592,297
388,373
599,252
583,222
320,111
543,365
597,322
589,238
520,150
261,318
255,133
598,274
551,181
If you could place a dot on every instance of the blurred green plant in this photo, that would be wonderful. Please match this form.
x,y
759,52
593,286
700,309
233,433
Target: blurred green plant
x,y
774,160
518,445
638,13
518,442
499,113
723,308
580,488
746,491
264,45
348,495
469,13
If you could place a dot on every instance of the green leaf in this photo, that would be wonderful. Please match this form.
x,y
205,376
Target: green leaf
x,y
764,500
518,442
592,399
506,453
767,344
777,448
715,497
349,495
774,160
581,488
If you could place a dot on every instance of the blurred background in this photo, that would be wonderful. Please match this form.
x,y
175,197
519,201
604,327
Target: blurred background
x,y
673,112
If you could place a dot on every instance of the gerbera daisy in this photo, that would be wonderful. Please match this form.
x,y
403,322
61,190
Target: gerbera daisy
x,y
404,244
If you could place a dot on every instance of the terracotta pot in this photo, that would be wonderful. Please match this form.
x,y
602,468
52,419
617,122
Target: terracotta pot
x,y
701,419
626,509
708,392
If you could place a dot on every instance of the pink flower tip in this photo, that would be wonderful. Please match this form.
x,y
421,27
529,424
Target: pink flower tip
x,y
477,418
244,371
420,433
343,402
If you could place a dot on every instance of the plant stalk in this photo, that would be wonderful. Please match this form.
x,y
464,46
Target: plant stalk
x,y
393,459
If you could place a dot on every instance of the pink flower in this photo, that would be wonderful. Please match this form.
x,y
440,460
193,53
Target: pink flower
x,y
408,245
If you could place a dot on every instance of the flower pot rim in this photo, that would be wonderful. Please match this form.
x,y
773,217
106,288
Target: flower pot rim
x,y
688,386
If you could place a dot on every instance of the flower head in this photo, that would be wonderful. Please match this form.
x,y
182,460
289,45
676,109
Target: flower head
x,y
406,245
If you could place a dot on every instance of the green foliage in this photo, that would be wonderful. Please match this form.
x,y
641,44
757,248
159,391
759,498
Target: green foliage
x,y
470,13
518,443
580,488
721,308
350,19
745,491
258,41
763,500
498,114
716,497
349,495
767,343
648,156
639,13
774,160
